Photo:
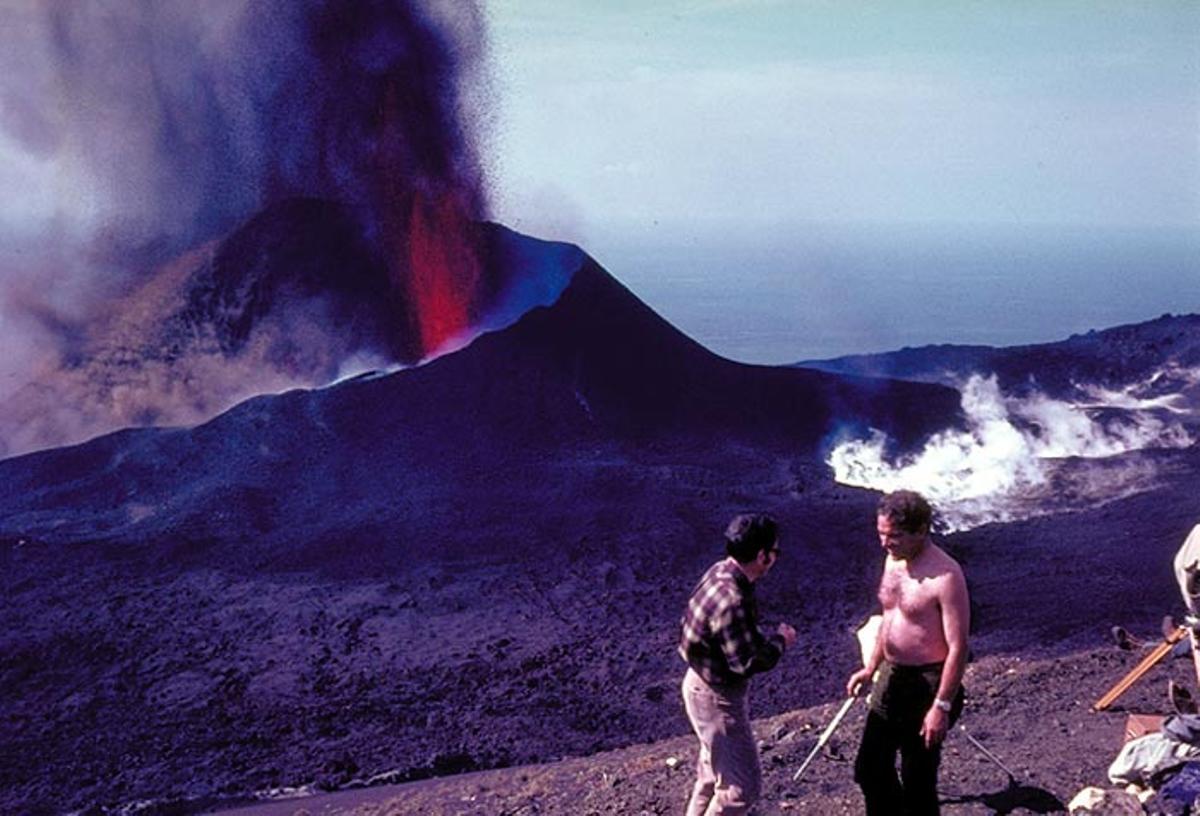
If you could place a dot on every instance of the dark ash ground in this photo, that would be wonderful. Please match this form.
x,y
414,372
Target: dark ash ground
x,y
481,563
125,682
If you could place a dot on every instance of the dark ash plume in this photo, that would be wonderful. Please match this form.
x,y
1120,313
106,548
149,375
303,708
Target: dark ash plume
x,y
244,196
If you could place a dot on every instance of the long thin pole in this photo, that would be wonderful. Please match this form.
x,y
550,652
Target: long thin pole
x,y
824,738
983,750
1148,662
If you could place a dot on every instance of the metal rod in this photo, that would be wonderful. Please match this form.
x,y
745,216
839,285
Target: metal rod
x,y
824,738
983,750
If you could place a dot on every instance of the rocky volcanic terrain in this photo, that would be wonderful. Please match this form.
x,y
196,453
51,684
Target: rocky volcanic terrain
x,y
1031,712
480,563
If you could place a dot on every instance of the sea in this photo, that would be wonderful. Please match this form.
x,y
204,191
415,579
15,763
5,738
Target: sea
x,y
790,292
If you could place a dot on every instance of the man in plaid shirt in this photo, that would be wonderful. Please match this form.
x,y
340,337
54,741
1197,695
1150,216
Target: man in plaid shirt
x,y
724,647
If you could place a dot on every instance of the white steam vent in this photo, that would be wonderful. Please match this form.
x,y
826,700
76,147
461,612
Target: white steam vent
x,y
1011,460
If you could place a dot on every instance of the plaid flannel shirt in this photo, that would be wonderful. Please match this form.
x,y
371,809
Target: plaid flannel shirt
x,y
721,640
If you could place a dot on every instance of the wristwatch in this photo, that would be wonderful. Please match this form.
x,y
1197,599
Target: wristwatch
x,y
944,705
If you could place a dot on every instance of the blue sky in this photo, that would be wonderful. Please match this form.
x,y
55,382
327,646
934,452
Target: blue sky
x,y
766,113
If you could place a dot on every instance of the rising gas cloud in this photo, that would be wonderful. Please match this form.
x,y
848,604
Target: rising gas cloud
x,y
1025,456
209,200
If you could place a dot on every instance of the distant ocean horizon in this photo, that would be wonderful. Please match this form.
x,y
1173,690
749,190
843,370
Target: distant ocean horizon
x,y
818,291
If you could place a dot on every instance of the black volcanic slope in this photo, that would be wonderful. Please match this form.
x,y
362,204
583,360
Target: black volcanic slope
x,y
292,253
597,366
473,563
1113,357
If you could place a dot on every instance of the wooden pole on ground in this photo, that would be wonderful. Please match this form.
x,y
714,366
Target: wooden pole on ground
x,y
1148,662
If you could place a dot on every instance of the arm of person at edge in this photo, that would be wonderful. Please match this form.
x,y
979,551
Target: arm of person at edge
x,y
864,675
746,650
956,620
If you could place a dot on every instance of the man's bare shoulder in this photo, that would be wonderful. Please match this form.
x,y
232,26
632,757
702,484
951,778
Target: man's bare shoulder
x,y
945,557
942,564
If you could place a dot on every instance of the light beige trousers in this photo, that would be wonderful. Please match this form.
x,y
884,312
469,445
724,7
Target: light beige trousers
x,y
728,773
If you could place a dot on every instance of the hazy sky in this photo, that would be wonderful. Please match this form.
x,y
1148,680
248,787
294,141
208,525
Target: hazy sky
x,y
749,167
752,111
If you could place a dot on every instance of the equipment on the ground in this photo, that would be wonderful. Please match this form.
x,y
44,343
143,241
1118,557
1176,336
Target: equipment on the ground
x,y
1125,641
824,738
1148,662
1012,777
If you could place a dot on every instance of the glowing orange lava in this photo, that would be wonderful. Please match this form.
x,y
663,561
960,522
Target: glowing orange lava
x,y
443,269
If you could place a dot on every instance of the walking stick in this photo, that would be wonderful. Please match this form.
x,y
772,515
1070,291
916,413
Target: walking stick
x,y
824,738
1148,662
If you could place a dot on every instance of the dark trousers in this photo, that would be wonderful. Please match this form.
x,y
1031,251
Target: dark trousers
x,y
900,699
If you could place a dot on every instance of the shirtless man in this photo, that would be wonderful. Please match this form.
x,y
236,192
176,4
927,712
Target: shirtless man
x,y
920,654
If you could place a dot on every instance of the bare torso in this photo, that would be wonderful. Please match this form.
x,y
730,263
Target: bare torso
x,y
911,592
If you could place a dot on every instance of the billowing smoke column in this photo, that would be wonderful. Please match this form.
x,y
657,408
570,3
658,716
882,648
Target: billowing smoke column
x,y
209,200
189,117
1026,456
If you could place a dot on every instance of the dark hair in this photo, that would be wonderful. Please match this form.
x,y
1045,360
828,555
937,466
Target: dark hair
x,y
749,534
907,509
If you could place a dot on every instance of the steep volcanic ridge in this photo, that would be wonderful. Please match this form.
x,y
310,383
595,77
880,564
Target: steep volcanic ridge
x,y
597,367
1156,356
293,298
470,563
1048,427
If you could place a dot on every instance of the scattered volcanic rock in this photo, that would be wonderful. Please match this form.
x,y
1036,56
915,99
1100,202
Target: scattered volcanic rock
x,y
1031,714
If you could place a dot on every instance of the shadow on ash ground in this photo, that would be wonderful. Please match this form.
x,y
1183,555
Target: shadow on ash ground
x,y
1034,714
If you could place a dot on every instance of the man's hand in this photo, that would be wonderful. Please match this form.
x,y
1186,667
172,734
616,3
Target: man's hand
x,y
854,684
934,727
788,634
